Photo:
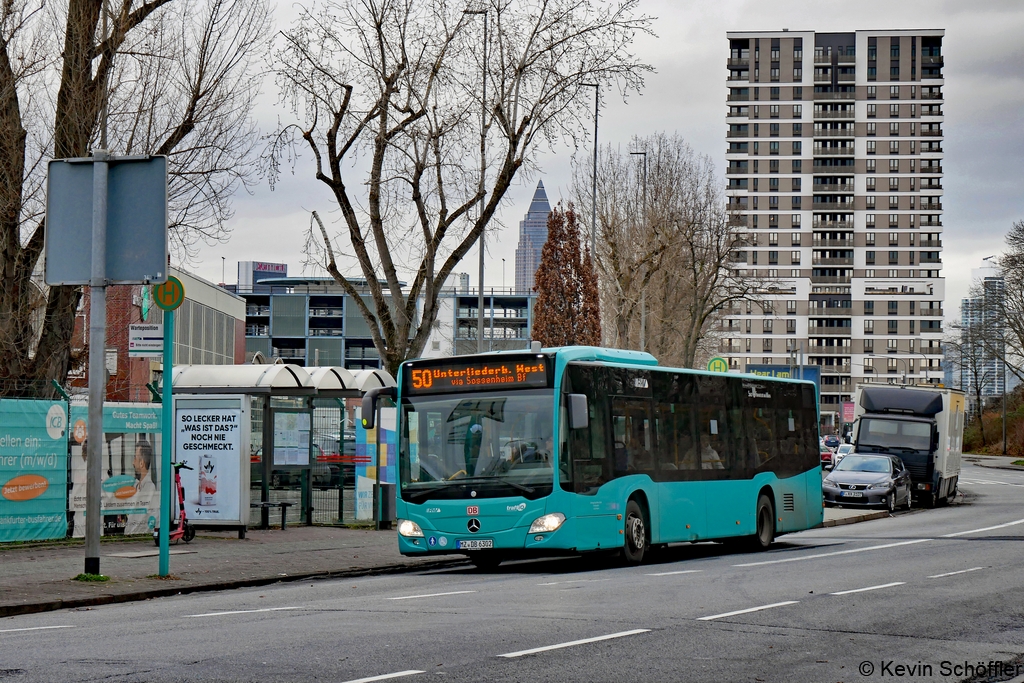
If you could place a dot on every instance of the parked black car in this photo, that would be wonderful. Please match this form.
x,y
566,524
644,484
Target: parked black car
x,y
868,480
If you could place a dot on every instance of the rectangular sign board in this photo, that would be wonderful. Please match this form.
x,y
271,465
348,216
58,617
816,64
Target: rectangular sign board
x,y
136,221
33,470
811,373
145,340
211,435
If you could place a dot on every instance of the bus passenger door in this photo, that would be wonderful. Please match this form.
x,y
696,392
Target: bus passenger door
x,y
681,499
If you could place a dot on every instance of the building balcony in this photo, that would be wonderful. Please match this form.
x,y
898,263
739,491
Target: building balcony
x,y
931,207
931,61
737,98
833,151
847,78
842,332
831,279
259,311
326,332
833,187
832,243
931,133
326,313
834,115
931,243
931,312
931,96
829,350
733,348
738,61
931,224
832,261
847,59
836,96
257,330
832,206
831,311
822,78
737,77
822,59
737,134
834,133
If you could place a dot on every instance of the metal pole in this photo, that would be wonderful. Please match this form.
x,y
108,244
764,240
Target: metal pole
x,y
483,177
167,444
1002,334
97,366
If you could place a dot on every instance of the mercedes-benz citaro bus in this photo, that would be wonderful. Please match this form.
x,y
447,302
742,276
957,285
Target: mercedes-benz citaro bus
x,y
576,449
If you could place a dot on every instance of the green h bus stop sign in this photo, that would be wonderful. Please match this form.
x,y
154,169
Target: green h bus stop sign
x,y
718,364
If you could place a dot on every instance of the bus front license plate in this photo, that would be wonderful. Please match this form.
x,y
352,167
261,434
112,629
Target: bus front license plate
x,y
475,544
853,494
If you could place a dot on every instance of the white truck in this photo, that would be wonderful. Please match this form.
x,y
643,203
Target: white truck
x,y
924,426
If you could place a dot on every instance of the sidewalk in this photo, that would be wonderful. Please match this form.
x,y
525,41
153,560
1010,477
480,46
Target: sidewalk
x,y
996,462
38,578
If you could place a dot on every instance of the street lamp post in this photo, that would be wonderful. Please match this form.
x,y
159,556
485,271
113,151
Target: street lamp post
x,y
593,182
502,276
483,175
902,360
643,291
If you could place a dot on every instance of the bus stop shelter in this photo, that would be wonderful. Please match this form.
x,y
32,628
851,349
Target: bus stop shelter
x,y
302,435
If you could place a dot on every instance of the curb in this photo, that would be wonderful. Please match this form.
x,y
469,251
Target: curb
x,y
109,599
1012,468
881,514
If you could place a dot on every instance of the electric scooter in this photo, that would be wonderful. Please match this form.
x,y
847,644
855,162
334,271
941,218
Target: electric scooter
x,y
184,531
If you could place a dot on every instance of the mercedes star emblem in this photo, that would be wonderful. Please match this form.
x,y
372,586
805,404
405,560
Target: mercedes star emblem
x,y
473,525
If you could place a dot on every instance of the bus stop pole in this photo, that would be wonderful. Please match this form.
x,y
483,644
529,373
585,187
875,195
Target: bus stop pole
x,y
167,440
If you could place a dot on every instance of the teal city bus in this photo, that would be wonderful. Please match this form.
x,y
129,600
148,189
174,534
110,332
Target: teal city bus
x,y
578,449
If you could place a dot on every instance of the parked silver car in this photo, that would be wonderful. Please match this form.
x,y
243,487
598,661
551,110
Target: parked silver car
x,y
868,480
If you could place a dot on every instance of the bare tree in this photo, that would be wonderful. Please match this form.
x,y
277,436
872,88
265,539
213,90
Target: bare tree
x,y
389,98
174,77
664,254
974,345
1011,301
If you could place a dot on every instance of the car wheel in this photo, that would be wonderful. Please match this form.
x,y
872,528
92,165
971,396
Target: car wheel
x,y
909,501
764,534
892,501
636,534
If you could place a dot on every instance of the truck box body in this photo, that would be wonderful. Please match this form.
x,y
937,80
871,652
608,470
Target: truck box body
x,y
924,426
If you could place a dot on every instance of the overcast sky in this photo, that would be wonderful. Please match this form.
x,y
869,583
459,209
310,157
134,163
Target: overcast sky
x,y
984,124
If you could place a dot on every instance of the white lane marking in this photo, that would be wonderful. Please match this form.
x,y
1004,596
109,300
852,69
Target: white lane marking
x,y
748,610
838,552
962,571
988,528
685,571
869,588
384,677
430,595
241,611
610,636
557,583
34,628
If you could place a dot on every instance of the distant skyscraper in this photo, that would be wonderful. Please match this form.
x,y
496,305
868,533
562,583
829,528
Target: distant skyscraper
x,y
533,233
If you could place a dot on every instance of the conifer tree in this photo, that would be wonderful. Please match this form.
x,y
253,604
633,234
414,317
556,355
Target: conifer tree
x,y
567,311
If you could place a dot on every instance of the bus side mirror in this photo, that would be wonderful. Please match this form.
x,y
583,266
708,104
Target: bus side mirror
x,y
368,414
579,414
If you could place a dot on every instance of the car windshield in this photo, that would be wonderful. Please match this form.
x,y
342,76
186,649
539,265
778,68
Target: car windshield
x,y
846,448
479,445
900,434
864,463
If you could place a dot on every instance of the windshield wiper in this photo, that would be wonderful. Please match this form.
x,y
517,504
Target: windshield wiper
x,y
494,480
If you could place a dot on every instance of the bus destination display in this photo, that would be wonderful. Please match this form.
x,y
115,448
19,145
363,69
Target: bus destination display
x,y
505,373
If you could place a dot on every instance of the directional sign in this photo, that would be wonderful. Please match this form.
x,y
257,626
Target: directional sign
x,y
170,294
145,341
718,364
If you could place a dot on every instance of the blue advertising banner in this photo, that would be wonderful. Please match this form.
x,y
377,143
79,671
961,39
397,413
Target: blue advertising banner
x,y
33,470
811,373
130,491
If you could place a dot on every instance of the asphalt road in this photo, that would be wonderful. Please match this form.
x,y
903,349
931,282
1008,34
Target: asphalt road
x,y
929,588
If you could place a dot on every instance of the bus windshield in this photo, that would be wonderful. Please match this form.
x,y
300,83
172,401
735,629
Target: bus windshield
x,y
477,445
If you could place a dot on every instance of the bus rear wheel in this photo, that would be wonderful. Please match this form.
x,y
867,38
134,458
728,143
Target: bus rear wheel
x,y
764,534
636,534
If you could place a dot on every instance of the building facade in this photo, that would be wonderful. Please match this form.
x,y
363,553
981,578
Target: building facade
x,y
533,233
835,184
312,321
980,319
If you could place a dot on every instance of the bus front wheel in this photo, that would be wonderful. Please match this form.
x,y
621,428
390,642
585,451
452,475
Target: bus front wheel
x,y
636,534
764,535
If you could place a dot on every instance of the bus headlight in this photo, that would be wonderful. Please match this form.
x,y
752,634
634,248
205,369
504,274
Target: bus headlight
x,y
409,528
547,523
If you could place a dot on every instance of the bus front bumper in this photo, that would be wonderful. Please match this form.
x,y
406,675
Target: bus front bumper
x,y
514,541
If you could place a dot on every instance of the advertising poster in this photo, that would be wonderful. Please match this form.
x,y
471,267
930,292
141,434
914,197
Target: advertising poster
x,y
366,445
33,470
209,440
130,470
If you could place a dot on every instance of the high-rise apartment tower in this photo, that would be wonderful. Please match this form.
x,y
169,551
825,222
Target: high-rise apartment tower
x,y
835,180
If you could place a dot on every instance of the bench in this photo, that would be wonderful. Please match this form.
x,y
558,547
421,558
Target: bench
x,y
265,512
